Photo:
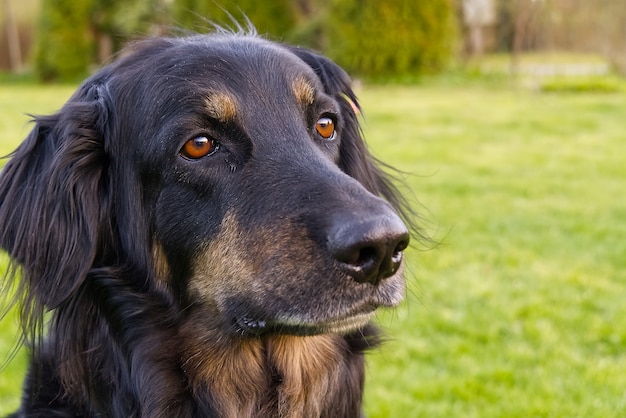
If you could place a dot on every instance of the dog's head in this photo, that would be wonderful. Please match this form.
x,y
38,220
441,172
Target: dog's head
x,y
225,169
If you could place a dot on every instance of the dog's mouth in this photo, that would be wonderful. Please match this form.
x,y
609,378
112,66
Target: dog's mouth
x,y
313,316
250,326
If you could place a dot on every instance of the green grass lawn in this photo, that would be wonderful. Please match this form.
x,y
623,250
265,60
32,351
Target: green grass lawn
x,y
520,311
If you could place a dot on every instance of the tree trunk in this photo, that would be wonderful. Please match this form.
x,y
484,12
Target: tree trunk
x,y
518,34
13,38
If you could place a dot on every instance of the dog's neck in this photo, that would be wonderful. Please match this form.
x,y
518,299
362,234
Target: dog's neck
x,y
280,376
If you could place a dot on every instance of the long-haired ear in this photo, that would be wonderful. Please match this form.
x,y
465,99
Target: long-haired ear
x,y
354,157
54,201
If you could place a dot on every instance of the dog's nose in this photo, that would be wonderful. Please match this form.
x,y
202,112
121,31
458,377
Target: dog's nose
x,y
370,249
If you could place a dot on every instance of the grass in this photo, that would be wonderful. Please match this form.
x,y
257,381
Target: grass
x,y
590,84
519,311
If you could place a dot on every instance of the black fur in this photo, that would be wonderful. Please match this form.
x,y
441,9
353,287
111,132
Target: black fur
x,y
161,271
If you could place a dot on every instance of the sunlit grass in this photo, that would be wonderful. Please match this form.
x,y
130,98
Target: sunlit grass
x,y
519,311
17,102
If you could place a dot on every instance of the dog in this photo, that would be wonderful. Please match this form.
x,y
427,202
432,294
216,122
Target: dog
x,y
205,234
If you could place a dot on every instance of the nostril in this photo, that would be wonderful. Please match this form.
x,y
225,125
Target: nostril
x,y
395,260
403,243
396,257
366,255
367,262
360,261
357,257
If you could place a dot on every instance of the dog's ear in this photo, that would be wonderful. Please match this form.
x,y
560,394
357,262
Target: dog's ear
x,y
53,198
354,157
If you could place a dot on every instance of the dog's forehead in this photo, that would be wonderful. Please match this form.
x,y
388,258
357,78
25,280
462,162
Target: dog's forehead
x,y
224,105
223,76
253,64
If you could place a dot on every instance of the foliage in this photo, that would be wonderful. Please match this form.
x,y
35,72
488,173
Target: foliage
x,y
72,34
589,84
65,45
398,39
402,38
271,18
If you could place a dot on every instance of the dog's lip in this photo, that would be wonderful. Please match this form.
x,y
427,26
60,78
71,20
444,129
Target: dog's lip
x,y
301,326
342,326
339,325
336,321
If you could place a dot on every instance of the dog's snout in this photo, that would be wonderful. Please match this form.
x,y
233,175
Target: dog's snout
x,y
371,249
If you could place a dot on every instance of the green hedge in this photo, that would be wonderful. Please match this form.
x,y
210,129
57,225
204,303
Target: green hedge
x,y
400,38
273,19
590,84
65,44
374,39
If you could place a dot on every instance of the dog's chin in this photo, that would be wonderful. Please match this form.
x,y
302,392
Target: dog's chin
x,y
249,326
334,320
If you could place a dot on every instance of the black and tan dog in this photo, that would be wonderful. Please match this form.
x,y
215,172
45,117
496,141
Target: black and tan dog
x,y
211,236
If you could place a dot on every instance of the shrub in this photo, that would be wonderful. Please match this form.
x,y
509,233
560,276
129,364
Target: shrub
x,y
65,43
605,84
274,18
400,38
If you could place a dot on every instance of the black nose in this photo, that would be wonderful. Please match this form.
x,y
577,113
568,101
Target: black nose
x,y
369,250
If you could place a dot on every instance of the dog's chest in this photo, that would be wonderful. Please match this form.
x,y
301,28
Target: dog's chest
x,y
282,376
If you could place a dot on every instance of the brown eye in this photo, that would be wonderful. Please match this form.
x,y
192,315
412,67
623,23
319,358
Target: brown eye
x,y
199,147
325,127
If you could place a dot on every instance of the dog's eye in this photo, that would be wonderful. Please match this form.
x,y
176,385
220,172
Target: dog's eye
x,y
325,127
199,147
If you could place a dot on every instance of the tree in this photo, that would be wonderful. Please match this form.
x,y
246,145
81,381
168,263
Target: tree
x,y
477,14
12,35
275,19
76,34
399,38
65,45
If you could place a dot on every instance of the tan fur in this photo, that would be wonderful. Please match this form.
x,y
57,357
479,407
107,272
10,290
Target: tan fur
x,y
221,106
309,367
233,371
304,91
223,270
223,262
238,372
161,267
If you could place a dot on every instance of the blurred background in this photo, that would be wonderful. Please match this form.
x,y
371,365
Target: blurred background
x,y
507,119
400,39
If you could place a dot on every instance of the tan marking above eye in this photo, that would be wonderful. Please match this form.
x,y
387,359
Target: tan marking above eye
x,y
198,147
304,91
325,127
221,106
